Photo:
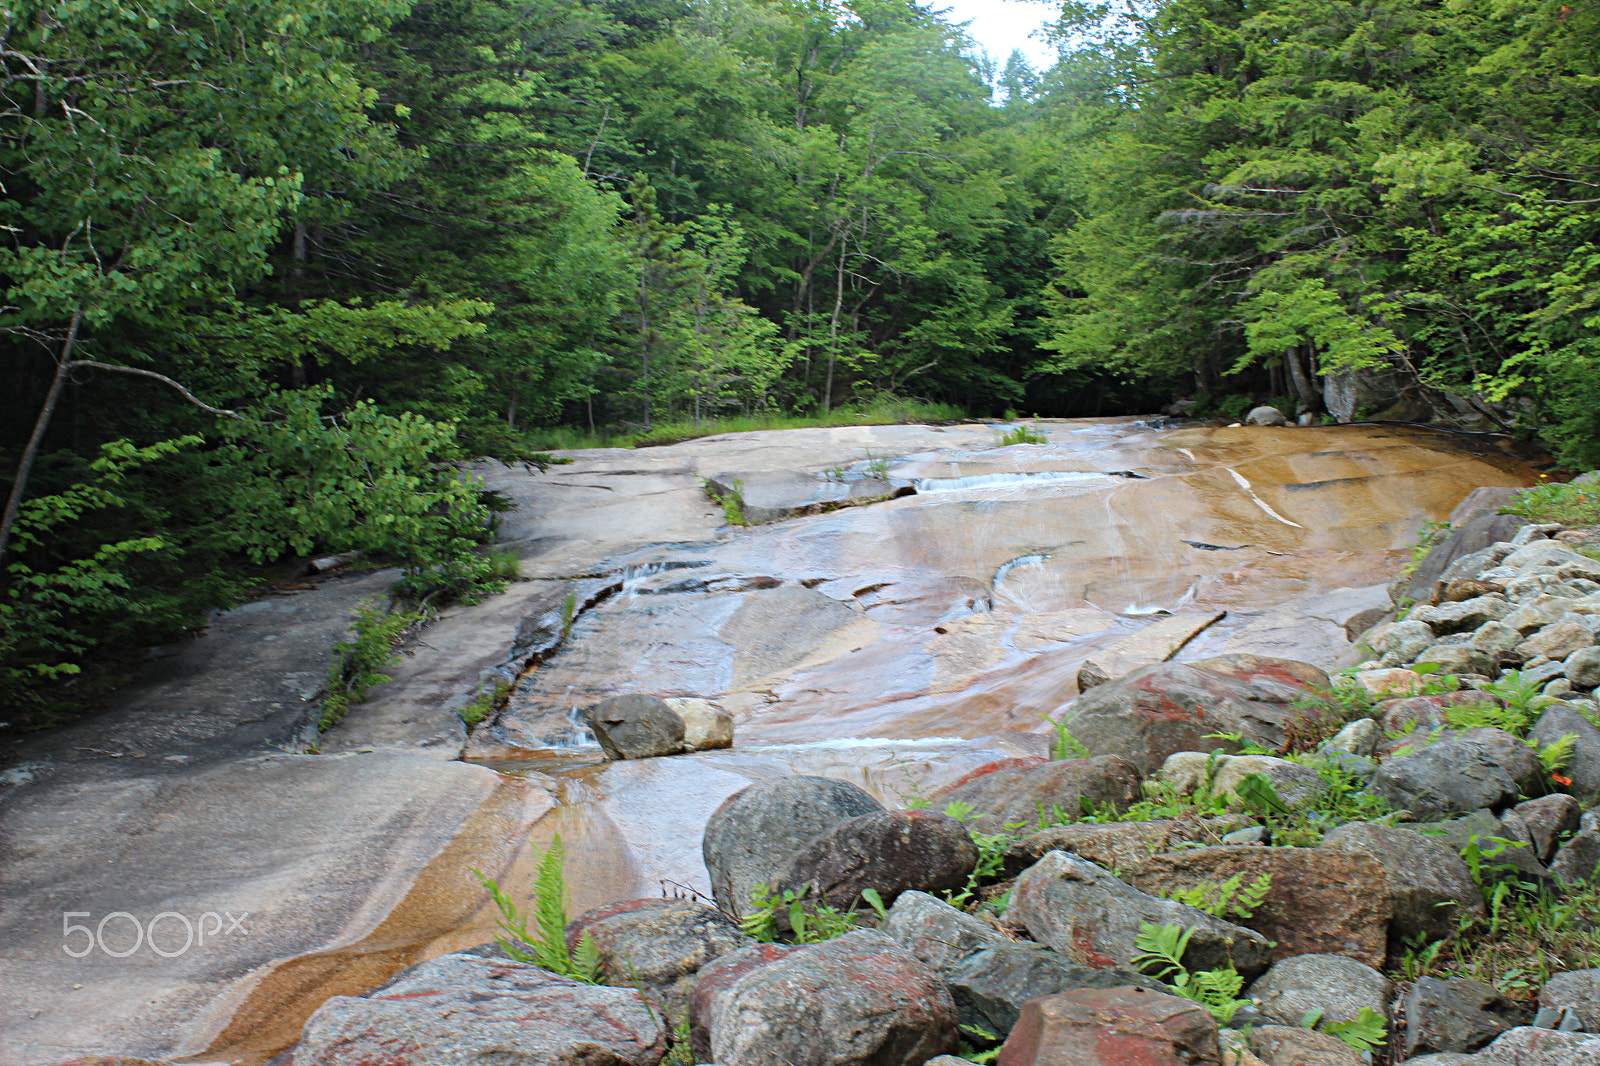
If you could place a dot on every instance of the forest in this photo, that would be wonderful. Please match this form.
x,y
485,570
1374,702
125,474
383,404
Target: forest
x,y
272,268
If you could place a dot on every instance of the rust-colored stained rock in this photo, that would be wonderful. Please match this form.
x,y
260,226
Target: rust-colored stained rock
x,y
658,945
715,978
1320,902
1112,1027
1281,1045
1019,794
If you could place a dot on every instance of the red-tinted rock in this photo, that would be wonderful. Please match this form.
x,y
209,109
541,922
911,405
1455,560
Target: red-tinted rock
x,y
1158,710
466,1008
716,978
1017,795
1112,1027
861,999
1320,901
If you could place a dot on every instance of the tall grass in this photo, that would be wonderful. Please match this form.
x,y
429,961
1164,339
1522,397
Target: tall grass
x,y
880,412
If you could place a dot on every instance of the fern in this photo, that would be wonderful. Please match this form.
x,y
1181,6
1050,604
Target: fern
x,y
1161,949
1365,1032
549,942
1219,899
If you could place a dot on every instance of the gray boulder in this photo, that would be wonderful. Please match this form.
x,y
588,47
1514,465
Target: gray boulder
x,y
1091,918
1265,416
937,933
635,726
1112,1027
460,1009
1547,821
1450,777
1527,1046
1454,1014
860,1000
1557,721
751,838
1575,993
706,725
658,945
1336,986
1578,860
889,851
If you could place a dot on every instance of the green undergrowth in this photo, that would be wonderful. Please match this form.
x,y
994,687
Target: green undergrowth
x,y
356,665
1568,504
877,412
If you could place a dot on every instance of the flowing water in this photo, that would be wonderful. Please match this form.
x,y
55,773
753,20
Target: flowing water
x,y
906,642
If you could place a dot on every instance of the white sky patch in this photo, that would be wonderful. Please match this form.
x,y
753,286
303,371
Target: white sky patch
x,y
999,26
1259,502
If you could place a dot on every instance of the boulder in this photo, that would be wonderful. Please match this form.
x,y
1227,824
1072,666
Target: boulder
x,y
1548,820
991,986
1514,755
1091,918
466,1008
1019,795
1188,771
751,838
658,945
890,851
1290,1045
1575,993
1464,615
706,725
1458,659
1337,986
1450,777
937,933
1403,641
860,999
1454,1014
1557,641
1558,720
1578,860
1158,710
1112,1027
1475,529
1419,714
635,726
1117,845
717,977
1265,416
1527,1046
1583,667
1427,882
1319,901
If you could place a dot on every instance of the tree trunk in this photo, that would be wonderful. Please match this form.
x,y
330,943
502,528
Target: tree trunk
x,y
31,452
1300,375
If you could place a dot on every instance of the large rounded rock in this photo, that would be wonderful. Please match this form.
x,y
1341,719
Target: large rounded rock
x,y
890,851
635,726
460,1009
1336,986
1118,845
1265,416
1562,719
1577,993
751,839
717,977
706,725
1017,795
1450,777
1158,710
658,945
1428,884
1455,1014
1112,1027
861,999
1092,919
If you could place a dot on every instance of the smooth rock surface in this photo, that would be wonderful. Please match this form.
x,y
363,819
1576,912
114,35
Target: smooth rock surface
x,y
1112,1027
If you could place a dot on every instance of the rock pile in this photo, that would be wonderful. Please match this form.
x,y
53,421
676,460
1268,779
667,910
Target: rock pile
x,y
1053,975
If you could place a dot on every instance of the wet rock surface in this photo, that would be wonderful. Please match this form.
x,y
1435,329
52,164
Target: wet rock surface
x,y
883,643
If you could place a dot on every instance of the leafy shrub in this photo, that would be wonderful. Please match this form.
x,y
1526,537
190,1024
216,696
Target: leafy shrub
x,y
1573,505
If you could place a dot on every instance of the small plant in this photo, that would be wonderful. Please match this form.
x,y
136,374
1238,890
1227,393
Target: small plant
x,y
1571,505
504,565
731,502
483,704
1066,746
878,466
569,614
1224,898
1521,702
1020,435
807,924
1364,1033
1161,949
992,849
356,665
1427,539
549,943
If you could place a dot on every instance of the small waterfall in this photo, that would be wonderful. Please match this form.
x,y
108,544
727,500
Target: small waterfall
x,y
927,485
